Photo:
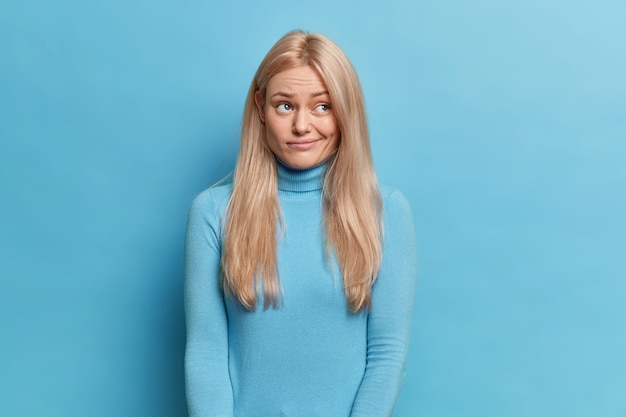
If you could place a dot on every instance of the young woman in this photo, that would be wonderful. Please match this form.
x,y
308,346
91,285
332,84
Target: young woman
x,y
301,272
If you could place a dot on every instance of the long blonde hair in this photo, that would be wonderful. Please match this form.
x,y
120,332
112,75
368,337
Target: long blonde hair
x,y
352,205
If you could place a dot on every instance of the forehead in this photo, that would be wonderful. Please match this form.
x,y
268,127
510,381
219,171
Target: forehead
x,y
295,80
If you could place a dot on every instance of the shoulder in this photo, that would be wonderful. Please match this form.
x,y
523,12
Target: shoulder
x,y
398,225
214,198
399,237
394,202
215,195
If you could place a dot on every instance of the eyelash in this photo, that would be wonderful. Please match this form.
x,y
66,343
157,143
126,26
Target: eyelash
x,y
325,105
280,107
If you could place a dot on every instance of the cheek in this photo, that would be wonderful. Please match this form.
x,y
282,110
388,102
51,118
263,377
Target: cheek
x,y
329,127
276,128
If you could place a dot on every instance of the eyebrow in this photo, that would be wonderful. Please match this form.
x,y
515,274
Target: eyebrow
x,y
290,95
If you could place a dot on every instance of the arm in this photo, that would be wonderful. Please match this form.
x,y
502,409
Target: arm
x,y
389,320
207,381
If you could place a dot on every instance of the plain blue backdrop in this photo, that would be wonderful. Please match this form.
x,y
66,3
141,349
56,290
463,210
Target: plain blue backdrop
x,y
504,124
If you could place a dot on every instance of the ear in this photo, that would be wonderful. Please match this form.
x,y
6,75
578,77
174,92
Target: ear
x,y
259,105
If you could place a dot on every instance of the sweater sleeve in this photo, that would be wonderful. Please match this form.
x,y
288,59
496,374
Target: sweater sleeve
x,y
207,380
389,320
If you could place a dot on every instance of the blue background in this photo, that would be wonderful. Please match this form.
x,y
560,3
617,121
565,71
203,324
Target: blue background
x,y
502,122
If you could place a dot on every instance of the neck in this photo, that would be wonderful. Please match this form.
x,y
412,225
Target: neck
x,y
301,179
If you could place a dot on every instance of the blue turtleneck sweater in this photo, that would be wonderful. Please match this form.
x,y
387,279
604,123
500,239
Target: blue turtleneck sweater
x,y
311,356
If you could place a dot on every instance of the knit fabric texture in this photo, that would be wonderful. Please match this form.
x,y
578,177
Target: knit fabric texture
x,y
311,356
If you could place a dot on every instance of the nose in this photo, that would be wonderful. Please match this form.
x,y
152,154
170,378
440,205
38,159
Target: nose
x,y
301,123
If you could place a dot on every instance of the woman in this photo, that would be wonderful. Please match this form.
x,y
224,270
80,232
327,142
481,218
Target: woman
x,y
297,302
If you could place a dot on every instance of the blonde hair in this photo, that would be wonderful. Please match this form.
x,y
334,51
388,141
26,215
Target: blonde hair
x,y
352,206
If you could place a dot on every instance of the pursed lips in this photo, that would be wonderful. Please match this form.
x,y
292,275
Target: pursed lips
x,y
303,144
301,141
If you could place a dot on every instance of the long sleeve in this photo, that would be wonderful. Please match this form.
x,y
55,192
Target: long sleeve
x,y
389,320
208,385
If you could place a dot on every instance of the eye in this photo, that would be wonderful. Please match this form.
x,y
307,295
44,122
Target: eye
x,y
284,107
322,108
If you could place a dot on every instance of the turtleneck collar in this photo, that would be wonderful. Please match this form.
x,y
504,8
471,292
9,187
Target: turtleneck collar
x,y
301,180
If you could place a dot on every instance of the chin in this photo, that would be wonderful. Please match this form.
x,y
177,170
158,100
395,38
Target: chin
x,y
298,163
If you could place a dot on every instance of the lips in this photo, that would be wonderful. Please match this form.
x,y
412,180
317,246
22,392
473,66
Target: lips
x,y
303,145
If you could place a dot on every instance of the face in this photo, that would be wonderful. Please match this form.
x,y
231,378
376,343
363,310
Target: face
x,y
300,126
